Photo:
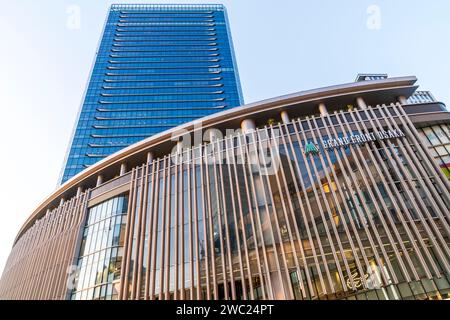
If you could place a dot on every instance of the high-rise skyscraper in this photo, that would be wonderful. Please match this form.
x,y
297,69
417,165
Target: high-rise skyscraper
x,y
157,66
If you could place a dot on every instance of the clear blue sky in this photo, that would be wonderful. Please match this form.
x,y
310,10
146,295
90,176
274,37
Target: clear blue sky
x,y
281,47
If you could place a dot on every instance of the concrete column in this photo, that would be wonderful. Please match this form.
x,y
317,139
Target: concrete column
x,y
285,117
61,202
179,147
248,125
123,169
323,109
99,180
212,136
79,191
402,100
150,157
361,103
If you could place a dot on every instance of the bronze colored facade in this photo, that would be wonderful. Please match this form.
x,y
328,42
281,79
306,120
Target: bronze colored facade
x,y
334,193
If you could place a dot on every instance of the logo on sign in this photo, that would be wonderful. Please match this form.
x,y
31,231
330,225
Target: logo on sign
x,y
356,139
311,148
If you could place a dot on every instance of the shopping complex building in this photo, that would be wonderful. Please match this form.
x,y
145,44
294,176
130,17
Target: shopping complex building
x,y
173,188
334,193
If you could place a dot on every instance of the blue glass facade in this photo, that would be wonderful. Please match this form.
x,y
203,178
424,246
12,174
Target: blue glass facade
x,y
157,66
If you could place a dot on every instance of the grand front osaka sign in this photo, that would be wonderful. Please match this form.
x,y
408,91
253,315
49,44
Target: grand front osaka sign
x,y
353,139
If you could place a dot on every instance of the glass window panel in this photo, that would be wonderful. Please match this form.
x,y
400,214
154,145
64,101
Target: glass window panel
x,y
99,263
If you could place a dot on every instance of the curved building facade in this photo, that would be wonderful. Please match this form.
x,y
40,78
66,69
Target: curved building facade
x,y
334,193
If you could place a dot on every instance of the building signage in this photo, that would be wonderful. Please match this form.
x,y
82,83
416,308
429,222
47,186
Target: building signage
x,y
369,280
354,139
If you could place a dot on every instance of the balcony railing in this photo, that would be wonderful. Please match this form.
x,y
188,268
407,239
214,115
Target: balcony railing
x,y
370,77
421,97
